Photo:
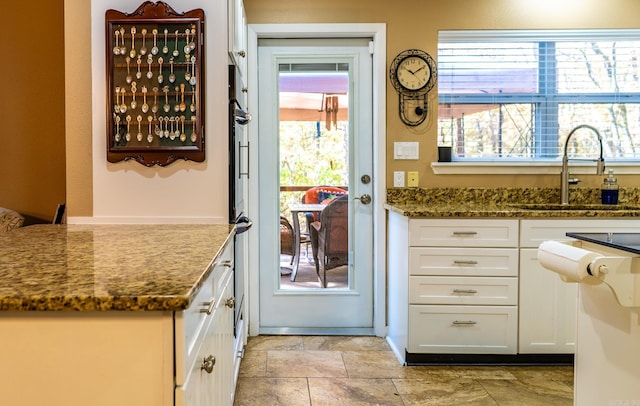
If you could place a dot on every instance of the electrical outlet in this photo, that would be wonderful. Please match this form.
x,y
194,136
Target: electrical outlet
x,y
412,179
398,179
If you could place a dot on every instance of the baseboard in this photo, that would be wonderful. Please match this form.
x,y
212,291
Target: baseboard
x,y
489,359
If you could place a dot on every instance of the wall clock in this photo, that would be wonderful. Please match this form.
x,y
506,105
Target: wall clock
x,y
413,74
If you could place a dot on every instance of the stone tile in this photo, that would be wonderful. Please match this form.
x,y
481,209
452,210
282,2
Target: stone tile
x,y
482,372
264,343
272,391
305,364
344,343
556,373
536,392
346,391
446,392
373,364
254,363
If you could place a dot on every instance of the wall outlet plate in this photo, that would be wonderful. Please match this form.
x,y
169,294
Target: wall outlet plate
x,y
398,179
412,179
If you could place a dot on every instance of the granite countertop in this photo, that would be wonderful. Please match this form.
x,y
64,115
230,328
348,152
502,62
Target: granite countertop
x,y
507,203
107,267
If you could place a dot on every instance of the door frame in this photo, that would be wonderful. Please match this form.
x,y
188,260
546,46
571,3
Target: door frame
x,y
376,31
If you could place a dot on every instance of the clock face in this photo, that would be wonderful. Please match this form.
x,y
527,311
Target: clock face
x,y
413,73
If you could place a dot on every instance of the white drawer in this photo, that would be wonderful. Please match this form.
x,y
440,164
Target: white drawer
x,y
463,329
463,261
533,232
190,323
463,290
463,233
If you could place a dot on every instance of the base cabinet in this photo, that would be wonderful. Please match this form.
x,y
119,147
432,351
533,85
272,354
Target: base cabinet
x,y
124,358
475,286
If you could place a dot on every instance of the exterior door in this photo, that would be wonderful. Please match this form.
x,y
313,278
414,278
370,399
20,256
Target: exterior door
x,y
319,91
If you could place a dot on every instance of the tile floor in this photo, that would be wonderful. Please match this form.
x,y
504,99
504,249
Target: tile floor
x,y
338,370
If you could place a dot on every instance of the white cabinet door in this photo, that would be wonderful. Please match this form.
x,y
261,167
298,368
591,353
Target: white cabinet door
x,y
237,21
547,309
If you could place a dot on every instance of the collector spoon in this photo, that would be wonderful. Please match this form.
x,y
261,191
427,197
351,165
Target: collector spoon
x,y
145,106
154,48
123,48
192,80
149,135
158,129
143,49
128,78
187,48
165,48
139,62
166,127
160,77
117,136
154,108
132,53
116,48
172,135
187,73
139,136
172,76
193,129
134,103
149,61
127,136
116,106
183,136
182,106
192,44
175,51
176,105
166,107
192,106
123,106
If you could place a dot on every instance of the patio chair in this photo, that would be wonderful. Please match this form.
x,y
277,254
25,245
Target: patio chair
x,y
330,238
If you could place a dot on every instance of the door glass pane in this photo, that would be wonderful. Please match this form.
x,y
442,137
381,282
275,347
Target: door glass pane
x,y
314,170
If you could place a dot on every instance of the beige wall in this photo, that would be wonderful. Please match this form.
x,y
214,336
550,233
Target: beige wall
x,y
32,142
32,153
415,24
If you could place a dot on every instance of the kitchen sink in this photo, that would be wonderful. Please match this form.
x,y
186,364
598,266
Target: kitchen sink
x,y
577,206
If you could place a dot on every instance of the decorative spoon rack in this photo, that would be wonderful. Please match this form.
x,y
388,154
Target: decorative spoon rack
x,y
155,66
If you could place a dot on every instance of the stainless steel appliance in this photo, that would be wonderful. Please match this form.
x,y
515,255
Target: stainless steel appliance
x,y
238,182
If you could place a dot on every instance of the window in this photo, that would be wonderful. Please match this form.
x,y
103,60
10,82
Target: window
x,y
516,95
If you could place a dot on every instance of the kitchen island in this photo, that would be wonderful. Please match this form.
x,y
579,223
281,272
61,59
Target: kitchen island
x,y
116,314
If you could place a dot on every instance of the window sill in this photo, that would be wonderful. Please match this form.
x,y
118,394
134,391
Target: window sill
x,y
527,168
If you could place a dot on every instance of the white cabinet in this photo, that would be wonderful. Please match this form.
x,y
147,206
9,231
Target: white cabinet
x,y
205,373
237,32
453,286
547,311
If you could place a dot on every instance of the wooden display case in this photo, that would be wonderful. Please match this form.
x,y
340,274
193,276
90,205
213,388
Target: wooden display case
x,y
155,82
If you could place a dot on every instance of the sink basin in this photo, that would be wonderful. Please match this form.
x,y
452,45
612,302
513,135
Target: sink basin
x,y
579,206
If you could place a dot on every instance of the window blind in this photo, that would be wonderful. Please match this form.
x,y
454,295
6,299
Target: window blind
x,y
517,94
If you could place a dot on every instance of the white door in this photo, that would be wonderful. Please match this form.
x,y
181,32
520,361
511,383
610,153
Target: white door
x,y
314,308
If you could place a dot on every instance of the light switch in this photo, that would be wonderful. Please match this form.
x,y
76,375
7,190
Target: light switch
x,y
406,150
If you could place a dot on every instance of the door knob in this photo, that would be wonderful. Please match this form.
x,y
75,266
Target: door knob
x,y
364,199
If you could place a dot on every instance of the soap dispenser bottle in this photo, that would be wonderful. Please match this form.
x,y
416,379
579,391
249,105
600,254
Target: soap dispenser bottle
x,y
610,189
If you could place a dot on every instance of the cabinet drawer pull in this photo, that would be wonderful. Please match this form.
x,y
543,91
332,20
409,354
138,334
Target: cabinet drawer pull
x,y
465,232
460,262
208,364
227,264
463,323
209,308
465,291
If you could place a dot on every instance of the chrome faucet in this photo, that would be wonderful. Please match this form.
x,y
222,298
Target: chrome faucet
x,y
564,174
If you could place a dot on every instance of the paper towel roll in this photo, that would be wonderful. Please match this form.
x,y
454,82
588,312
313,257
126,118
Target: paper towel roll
x,y
569,262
